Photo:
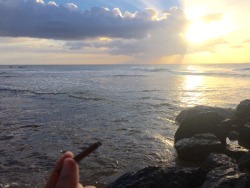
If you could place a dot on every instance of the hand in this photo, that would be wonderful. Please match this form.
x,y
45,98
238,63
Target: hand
x,y
65,173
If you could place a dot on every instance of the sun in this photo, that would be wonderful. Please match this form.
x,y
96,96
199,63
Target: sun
x,y
205,25
200,31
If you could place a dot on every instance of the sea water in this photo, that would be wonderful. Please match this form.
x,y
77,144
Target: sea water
x,y
131,109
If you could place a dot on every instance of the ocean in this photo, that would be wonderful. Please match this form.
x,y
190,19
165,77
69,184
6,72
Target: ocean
x,y
46,110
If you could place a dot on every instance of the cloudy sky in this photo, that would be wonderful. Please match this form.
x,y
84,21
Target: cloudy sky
x,y
124,31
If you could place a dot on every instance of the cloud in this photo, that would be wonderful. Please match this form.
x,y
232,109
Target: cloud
x,y
36,19
210,45
246,41
145,33
212,17
165,39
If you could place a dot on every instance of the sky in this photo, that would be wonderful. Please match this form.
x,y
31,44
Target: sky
x,y
124,31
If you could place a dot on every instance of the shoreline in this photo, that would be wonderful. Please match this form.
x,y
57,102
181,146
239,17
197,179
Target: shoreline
x,y
205,160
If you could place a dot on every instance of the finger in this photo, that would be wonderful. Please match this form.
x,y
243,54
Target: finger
x,y
69,176
56,171
80,186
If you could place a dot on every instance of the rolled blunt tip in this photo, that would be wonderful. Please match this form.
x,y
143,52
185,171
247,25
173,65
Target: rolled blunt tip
x,y
87,151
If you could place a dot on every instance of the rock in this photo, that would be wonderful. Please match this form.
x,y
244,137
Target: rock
x,y
203,131
233,135
204,122
198,147
226,177
235,151
244,161
223,172
228,125
244,135
243,111
155,177
215,160
188,113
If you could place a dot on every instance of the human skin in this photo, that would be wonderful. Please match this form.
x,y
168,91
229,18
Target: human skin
x,y
65,173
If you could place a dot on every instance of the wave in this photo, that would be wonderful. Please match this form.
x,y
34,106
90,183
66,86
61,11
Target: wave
x,y
150,69
219,74
93,99
243,72
243,69
128,75
29,91
81,96
14,90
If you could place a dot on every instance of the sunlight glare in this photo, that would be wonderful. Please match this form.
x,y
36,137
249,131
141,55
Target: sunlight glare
x,y
199,31
206,22
192,82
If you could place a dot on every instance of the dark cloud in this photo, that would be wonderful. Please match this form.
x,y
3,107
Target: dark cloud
x,y
146,33
165,39
19,18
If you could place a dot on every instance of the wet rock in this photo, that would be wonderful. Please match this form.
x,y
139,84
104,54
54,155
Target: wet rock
x,y
225,177
243,111
244,134
215,160
204,122
235,151
244,161
155,177
233,135
222,171
228,125
198,147
188,113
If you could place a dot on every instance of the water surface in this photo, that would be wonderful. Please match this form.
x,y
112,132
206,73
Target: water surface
x,y
45,110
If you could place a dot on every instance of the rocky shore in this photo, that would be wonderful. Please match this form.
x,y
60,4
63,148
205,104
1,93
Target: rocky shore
x,y
212,144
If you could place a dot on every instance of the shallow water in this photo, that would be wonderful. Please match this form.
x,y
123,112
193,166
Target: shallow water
x,y
45,110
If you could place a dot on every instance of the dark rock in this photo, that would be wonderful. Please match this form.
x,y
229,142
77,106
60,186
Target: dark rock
x,y
226,177
243,111
244,161
205,122
198,147
222,171
235,151
188,113
233,135
155,177
202,131
215,160
244,135
228,125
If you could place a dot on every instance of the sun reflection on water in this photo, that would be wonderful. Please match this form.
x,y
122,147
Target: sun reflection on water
x,y
164,140
192,86
192,82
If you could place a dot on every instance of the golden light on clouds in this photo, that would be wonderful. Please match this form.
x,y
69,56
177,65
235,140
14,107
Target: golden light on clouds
x,y
105,39
216,31
189,32
207,21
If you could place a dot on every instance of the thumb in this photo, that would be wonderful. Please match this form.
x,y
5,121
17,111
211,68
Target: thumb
x,y
69,177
